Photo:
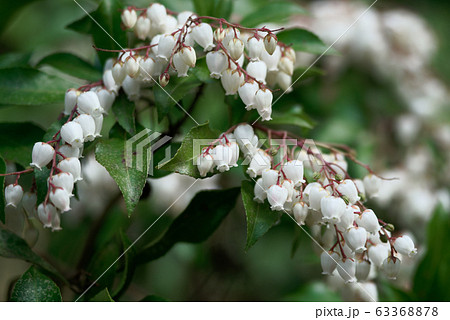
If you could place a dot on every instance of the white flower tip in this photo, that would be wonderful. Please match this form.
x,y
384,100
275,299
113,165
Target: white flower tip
x,y
209,47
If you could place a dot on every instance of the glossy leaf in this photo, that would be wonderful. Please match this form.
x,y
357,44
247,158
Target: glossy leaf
x,y
22,86
197,222
304,40
259,216
11,60
215,8
295,117
124,111
34,286
17,141
276,11
2,190
183,161
72,65
111,154
102,296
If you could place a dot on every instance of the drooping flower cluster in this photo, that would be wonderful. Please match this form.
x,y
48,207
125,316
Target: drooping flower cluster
x,y
330,203
171,49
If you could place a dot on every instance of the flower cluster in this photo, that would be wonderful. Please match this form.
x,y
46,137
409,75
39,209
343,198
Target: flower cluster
x,y
246,60
331,203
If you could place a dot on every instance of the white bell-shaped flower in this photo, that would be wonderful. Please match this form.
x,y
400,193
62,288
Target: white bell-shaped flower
x,y
165,47
255,47
286,65
356,238
203,35
347,270
64,180
41,155
219,34
247,92
132,88
362,270
158,15
170,25
277,196
263,99
315,197
405,246
258,70
142,28
234,153
332,209
217,63
269,178
235,48
88,103
369,221
293,170
180,66
348,188
378,253
231,81
72,133
70,100
222,156
69,151
308,189
60,199
129,18
132,67
260,192
204,163
106,98
109,82
46,213
147,66
284,81
347,219
87,123
391,267
300,210
329,261
13,195
260,161
372,185
271,60
230,33
119,72
73,166
188,55
244,135
270,43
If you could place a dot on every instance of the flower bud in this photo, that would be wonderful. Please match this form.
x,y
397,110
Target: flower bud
x,y
204,163
188,55
405,246
70,100
203,35
217,62
119,72
46,213
391,267
362,270
315,197
378,253
72,133
270,43
231,81
347,269
269,178
73,166
332,209
132,67
259,162
164,79
356,238
235,48
88,103
329,261
165,47
372,185
286,65
129,18
41,155
65,181
260,193
258,70
222,156
300,212
179,64
277,196
106,99
142,28
369,221
109,82
290,53
247,93
219,34
255,47
13,195
158,15
87,124
60,199
293,170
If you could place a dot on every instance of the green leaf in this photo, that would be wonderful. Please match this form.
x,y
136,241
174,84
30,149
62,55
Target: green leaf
x,y
108,34
153,298
14,59
102,296
214,8
303,73
295,117
277,11
9,10
72,65
314,292
21,86
197,222
431,281
304,40
184,159
17,141
2,188
124,111
12,246
41,177
259,216
128,265
34,286
111,154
